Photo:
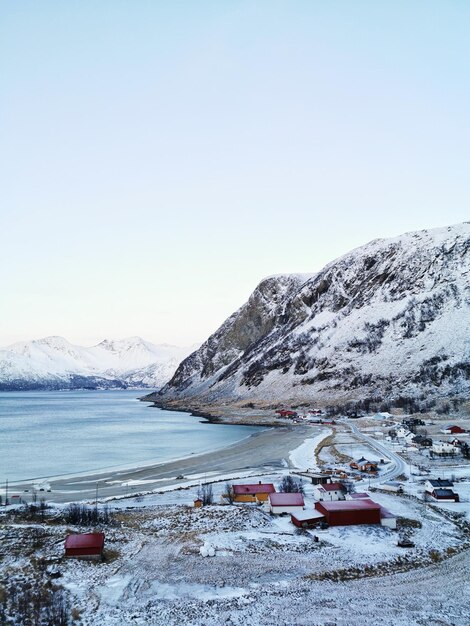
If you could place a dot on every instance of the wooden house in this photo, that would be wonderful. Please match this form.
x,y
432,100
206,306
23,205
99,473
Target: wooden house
x,y
256,493
363,465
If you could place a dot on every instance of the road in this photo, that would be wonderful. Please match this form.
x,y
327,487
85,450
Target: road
x,y
399,466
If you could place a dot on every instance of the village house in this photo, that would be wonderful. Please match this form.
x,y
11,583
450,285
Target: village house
x,y
453,430
422,441
286,413
437,483
444,448
441,490
444,495
329,492
412,422
280,503
363,465
316,479
403,433
85,546
392,485
256,493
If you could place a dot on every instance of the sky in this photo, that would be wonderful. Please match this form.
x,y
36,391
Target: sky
x,y
158,159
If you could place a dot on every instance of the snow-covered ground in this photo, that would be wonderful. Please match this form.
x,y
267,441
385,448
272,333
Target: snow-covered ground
x,y
303,457
265,571
53,359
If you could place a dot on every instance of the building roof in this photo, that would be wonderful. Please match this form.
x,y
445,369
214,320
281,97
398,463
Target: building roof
x,y
359,496
286,499
333,487
443,493
349,505
240,490
306,515
85,540
441,482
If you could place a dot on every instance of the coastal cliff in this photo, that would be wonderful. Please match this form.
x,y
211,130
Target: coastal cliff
x,y
388,319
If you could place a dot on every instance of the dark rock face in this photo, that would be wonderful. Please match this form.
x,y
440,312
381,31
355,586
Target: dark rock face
x,y
390,317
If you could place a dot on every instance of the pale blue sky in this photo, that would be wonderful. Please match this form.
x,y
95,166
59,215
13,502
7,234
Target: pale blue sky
x,y
159,158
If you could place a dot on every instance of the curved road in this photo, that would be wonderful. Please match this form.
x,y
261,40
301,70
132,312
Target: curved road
x,y
399,464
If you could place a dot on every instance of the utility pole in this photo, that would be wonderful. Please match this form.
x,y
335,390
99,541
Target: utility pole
x,y
6,492
96,497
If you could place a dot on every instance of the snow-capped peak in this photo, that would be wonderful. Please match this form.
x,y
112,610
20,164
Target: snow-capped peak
x,y
56,359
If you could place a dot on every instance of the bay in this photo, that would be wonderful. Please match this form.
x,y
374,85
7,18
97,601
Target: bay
x,y
57,433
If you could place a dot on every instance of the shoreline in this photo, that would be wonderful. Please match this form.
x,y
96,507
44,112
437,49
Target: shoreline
x,y
267,450
225,414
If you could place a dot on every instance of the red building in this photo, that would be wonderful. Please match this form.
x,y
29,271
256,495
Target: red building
x,y
350,512
86,545
307,518
453,430
286,413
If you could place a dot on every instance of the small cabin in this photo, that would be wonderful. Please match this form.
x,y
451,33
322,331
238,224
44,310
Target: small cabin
x,y
85,546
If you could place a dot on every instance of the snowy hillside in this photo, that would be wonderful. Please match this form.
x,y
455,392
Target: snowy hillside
x,y
389,318
54,363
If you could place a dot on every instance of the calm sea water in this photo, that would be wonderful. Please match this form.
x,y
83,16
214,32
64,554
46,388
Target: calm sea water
x,y
46,434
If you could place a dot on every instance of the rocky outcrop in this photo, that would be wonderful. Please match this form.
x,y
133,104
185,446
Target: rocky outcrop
x,y
389,318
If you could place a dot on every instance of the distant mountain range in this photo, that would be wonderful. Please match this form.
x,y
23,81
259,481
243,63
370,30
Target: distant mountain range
x,y
54,363
389,319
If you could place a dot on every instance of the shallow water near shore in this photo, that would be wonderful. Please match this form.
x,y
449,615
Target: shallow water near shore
x,y
45,434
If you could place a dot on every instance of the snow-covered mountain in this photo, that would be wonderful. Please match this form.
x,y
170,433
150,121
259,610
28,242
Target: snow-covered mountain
x,y
389,318
54,363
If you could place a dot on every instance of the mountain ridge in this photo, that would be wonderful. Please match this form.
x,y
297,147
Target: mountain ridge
x,y
386,319
55,363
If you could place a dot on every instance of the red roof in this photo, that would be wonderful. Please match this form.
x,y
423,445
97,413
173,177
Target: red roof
x,y
362,495
286,499
242,490
87,540
334,487
349,505
455,429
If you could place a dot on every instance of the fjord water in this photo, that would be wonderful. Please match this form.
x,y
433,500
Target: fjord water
x,y
45,434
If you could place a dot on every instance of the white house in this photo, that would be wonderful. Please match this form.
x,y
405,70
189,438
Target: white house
x,y
442,447
285,503
330,492
402,432
437,483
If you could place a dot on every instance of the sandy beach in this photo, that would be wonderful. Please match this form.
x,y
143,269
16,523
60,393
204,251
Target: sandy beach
x,y
264,451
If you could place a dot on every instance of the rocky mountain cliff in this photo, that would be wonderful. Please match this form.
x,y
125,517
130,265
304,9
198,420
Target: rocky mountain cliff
x,y
387,319
54,363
